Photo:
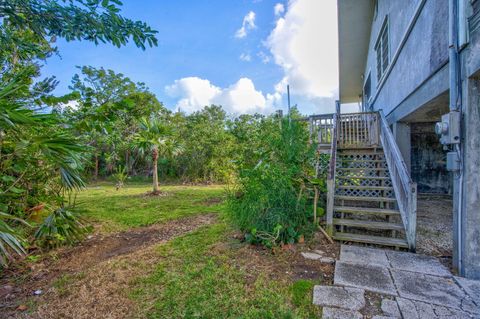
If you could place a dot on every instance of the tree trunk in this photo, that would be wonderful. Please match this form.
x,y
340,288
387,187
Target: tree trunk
x,y
155,170
127,162
95,173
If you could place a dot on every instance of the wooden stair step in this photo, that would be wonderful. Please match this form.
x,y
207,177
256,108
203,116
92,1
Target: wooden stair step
x,y
372,188
367,224
366,198
360,149
363,177
353,152
365,210
362,168
360,161
367,239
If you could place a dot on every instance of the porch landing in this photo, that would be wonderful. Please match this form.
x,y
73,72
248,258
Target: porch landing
x,y
407,285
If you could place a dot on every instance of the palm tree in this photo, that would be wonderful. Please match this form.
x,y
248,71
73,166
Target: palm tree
x,y
154,137
36,155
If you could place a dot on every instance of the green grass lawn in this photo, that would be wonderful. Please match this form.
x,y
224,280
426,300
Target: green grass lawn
x,y
132,207
209,273
204,275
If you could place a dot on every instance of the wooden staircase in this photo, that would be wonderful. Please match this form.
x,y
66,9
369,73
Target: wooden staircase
x,y
371,197
364,208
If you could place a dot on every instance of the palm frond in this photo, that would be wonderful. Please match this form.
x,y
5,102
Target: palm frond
x,y
60,227
10,240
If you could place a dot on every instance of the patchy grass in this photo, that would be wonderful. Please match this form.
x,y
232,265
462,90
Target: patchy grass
x,y
201,276
132,207
206,273
63,283
301,291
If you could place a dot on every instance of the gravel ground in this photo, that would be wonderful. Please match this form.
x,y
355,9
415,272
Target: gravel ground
x,y
434,226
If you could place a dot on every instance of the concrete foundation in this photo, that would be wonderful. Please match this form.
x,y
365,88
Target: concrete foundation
x,y
468,257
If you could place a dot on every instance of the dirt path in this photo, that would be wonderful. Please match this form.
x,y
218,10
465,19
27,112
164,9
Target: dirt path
x,y
102,267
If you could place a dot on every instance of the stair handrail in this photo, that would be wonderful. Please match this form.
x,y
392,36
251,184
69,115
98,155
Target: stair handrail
x,y
405,189
331,171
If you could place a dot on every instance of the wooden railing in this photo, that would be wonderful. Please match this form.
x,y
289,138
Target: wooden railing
x,y
405,188
331,170
321,127
358,130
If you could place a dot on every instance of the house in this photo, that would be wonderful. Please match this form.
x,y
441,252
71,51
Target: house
x,y
419,62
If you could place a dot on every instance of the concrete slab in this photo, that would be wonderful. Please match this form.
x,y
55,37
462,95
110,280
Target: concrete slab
x,y
407,308
340,297
390,308
417,263
432,289
412,309
364,256
368,277
472,287
336,313
311,256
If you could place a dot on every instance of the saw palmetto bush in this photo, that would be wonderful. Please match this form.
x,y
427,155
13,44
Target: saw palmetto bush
x,y
39,161
269,202
63,226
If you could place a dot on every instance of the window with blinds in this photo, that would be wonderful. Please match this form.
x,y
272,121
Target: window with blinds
x,y
382,50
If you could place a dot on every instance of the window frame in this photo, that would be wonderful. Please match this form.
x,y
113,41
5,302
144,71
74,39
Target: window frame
x,y
367,98
383,40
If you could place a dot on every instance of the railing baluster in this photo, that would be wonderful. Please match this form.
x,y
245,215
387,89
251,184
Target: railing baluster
x,y
357,141
365,131
350,130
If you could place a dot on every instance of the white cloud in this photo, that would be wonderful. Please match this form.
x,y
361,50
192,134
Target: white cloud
x,y
242,97
304,44
245,57
279,9
264,57
194,93
247,25
72,105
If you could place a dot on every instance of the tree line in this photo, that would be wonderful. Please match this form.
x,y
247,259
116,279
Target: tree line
x,y
125,128
110,127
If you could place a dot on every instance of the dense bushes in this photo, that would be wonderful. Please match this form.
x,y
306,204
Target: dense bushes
x,y
41,157
269,200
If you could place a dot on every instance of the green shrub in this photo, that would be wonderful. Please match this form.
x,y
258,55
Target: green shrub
x,y
61,227
120,177
269,200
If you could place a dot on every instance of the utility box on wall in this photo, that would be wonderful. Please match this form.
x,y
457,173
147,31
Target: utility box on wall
x,y
453,162
449,128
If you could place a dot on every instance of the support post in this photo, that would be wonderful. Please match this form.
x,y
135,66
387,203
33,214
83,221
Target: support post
x,y
412,218
468,198
330,200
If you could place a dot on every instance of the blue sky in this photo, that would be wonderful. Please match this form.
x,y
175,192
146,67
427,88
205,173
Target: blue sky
x,y
203,57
